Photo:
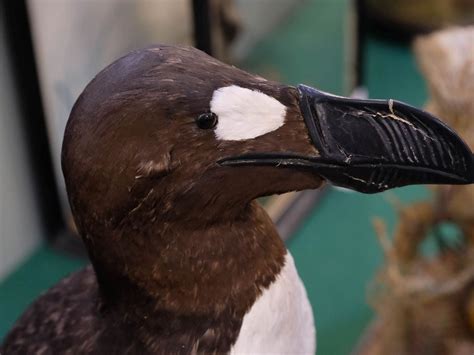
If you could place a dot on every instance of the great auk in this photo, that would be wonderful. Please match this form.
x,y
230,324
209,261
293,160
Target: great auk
x,y
163,157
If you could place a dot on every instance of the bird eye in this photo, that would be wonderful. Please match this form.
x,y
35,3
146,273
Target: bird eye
x,y
206,120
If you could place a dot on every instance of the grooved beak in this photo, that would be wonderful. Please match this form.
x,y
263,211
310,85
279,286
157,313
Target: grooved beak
x,y
375,145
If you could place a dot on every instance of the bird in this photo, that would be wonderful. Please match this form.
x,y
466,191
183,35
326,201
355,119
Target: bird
x,y
164,155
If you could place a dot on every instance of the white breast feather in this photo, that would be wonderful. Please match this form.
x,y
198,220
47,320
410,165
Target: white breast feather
x,y
244,113
281,320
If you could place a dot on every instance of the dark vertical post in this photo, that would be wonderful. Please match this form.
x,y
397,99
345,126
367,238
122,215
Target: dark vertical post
x,y
20,47
202,25
361,41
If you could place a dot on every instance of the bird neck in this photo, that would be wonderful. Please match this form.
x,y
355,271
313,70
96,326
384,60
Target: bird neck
x,y
183,269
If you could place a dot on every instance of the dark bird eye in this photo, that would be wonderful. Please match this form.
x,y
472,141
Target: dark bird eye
x,y
206,120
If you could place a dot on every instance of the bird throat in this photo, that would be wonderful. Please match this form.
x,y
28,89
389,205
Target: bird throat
x,y
201,270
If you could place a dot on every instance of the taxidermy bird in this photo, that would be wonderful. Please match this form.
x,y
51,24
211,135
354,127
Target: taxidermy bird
x,y
164,154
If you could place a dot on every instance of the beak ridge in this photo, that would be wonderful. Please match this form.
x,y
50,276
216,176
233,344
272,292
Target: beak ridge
x,y
375,145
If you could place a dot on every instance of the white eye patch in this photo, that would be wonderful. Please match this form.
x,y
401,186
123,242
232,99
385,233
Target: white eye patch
x,y
244,113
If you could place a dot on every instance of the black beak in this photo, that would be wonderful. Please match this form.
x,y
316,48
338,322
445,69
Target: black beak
x,y
375,145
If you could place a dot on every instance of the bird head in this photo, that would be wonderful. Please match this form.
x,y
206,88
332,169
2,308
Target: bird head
x,y
177,126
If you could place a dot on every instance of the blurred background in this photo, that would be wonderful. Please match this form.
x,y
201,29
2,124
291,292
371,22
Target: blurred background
x,y
50,49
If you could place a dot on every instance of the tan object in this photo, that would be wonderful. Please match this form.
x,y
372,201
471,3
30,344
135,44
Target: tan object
x,y
422,15
446,59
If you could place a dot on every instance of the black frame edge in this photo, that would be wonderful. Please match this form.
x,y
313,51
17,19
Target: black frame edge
x,y
20,46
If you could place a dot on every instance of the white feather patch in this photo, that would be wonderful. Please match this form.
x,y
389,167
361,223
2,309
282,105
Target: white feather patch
x,y
244,113
281,320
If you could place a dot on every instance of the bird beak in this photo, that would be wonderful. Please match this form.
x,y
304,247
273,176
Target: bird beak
x,y
374,145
